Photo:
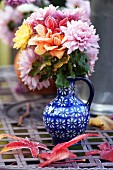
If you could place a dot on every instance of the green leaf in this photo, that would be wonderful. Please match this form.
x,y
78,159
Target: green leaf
x,y
45,64
36,64
86,57
73,75
61,80
77,57
70,70
33,72
46,57
44,77
87,67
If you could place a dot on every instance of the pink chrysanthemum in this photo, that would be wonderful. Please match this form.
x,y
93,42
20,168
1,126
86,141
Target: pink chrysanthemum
x,y
27,58
72,14
72,4
79,35
9,20
15,3
92,54
59,17
41,15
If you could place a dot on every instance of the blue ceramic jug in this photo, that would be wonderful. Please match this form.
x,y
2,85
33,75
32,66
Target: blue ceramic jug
x,y
67,116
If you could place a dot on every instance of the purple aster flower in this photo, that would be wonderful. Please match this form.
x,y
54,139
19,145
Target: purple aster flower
x,y
15,3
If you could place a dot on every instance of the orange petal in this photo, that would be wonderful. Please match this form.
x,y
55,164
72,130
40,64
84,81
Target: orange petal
x,y
41,30
57,41
40,49
48,47
49,33
57,38
44,39
33,40
57,53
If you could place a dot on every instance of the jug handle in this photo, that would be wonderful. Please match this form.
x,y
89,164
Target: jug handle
x,y
91,88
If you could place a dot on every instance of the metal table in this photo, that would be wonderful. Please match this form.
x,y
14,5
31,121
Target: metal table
x,y
12,105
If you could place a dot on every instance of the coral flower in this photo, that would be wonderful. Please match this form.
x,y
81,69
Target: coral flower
x,y
45,41
22,36
27,58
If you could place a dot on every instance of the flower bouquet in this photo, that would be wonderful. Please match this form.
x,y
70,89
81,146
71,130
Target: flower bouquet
x,y
56,44
62,45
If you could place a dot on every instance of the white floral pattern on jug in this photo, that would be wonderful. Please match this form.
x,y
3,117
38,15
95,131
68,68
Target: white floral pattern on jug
x,y
67,116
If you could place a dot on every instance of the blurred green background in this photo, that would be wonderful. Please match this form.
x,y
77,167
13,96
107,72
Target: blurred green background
x,y
58,2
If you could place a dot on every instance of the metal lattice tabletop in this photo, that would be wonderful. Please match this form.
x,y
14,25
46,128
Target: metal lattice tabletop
x,y
12,105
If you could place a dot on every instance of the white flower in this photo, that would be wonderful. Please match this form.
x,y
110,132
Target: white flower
x,y
82,121
63,91
59,134
71,133
50,123
62,101
72,123
63,111
60,123
25,8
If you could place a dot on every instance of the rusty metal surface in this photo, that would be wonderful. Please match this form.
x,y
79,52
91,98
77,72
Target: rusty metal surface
x,y
13,105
